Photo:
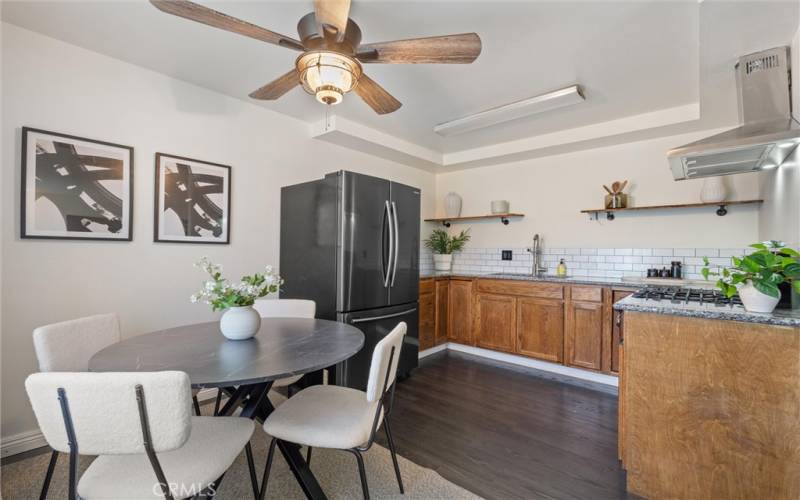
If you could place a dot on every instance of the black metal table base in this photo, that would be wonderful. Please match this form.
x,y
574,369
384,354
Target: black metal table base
x,y
256,405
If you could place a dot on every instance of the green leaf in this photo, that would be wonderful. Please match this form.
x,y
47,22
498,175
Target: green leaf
x,y
767,288
796,285
705,260
759,246
750,264
792,270
704,272
790,251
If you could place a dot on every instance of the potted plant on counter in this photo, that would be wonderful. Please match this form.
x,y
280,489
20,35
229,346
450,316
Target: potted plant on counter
x,y
443,245
240,321
757,276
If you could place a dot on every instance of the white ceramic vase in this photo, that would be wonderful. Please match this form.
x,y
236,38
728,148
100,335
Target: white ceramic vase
x,y
452,205
755,301
713,190
240,323
442,262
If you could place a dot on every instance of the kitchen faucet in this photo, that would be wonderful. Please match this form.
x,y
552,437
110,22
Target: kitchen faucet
x,y
536,265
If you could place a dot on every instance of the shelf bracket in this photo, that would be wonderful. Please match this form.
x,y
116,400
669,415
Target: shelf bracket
x,y
610,215
504,220
722,211
445,223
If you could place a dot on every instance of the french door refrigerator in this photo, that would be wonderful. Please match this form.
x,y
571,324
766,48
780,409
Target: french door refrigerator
x,y
350,242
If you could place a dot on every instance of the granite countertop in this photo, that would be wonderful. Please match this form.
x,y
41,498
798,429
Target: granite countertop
x,y
780,317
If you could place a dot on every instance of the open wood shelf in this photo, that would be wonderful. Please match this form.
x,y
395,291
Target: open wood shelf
x,y
721,211
504,218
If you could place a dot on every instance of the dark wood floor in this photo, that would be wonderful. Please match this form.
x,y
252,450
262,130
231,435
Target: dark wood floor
x,y
504,432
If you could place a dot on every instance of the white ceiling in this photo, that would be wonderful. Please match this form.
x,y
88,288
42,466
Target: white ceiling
x,y
631,57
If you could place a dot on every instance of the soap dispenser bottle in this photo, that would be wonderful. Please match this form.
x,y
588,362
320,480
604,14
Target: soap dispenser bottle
x,y
561,270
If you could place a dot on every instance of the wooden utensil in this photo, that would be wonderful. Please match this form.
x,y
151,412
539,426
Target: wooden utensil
x,y
624,183
615,187
607,190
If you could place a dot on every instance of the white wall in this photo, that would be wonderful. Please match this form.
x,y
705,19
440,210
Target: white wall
x,y
552,191
51,85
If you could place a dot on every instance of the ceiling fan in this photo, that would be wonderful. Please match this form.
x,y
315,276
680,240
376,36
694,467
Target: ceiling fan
x,y
329,65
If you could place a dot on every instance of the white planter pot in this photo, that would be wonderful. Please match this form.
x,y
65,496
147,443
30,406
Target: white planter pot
x,y
442,262
755,301
500,206
713,190
452,205
240,323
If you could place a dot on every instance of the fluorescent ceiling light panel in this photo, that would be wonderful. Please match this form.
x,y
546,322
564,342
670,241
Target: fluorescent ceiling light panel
x,y
526,107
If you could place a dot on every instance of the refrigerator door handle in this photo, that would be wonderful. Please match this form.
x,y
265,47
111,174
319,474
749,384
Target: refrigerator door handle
x,y
396,242
385,316
388,274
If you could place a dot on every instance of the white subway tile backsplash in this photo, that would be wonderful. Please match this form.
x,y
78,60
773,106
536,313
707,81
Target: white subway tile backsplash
x,y
587,261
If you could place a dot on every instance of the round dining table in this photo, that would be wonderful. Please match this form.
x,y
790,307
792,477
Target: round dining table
x,y
243,369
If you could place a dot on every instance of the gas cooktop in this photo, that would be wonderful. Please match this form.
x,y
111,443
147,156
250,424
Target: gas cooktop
x,y
685,294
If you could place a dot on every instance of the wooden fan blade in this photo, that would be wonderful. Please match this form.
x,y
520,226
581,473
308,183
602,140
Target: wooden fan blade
x,y
196,12
331,17
277,87
448,49
375,96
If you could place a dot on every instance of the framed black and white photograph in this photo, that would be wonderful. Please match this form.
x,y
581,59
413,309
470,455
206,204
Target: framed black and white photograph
x,y
193,200
75,188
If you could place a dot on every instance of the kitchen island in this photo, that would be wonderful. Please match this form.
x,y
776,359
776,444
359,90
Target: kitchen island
x,y
709,401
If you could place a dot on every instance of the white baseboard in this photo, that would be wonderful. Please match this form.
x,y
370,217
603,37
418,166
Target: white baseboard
x,y
432,350
545,366
22,442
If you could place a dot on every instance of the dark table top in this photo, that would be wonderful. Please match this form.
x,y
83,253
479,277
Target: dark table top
x,y
282,347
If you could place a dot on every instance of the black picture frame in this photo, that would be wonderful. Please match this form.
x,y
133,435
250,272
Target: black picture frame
x,y
160,193
27,191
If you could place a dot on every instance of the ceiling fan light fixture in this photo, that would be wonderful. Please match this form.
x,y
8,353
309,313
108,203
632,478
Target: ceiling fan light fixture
x,y
328,75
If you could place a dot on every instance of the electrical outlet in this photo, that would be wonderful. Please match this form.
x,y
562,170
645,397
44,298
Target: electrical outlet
x,y
505,254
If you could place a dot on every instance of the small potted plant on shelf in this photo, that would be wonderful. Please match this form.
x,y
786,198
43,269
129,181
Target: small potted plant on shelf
x,y
240,321
443,245
757,276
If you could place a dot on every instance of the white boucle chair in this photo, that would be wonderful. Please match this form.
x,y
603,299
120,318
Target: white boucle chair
x,y
141,427
67,347
286,308
328,416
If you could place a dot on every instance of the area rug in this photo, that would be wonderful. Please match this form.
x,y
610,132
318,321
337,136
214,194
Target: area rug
x,y
336,472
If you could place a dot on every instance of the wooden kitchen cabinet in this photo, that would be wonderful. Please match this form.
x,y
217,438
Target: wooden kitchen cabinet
x,y
459,311
427,314
616,330
540,328
442,294
495,322
584,334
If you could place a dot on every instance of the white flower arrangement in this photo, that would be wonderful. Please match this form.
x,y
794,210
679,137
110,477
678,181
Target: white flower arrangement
x,y
220,294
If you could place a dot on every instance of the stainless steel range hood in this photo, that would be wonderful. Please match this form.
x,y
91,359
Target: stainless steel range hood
x,y
769,133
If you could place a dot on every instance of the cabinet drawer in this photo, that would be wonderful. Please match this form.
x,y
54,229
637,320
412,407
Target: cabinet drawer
x,y
587,293
426,285
524,288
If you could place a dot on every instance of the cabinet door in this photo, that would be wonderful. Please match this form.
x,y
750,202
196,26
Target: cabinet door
x,y
584,334
540,328
442,291
496,322
616,330
459,312
427,323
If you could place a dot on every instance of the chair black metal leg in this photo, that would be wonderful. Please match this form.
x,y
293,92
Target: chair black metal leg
x,y
49,475
308,456
362,473
196,405
394,454
267,468
252,467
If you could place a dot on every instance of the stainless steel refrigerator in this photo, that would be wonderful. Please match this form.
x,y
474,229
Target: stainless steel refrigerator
x,y
350,242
